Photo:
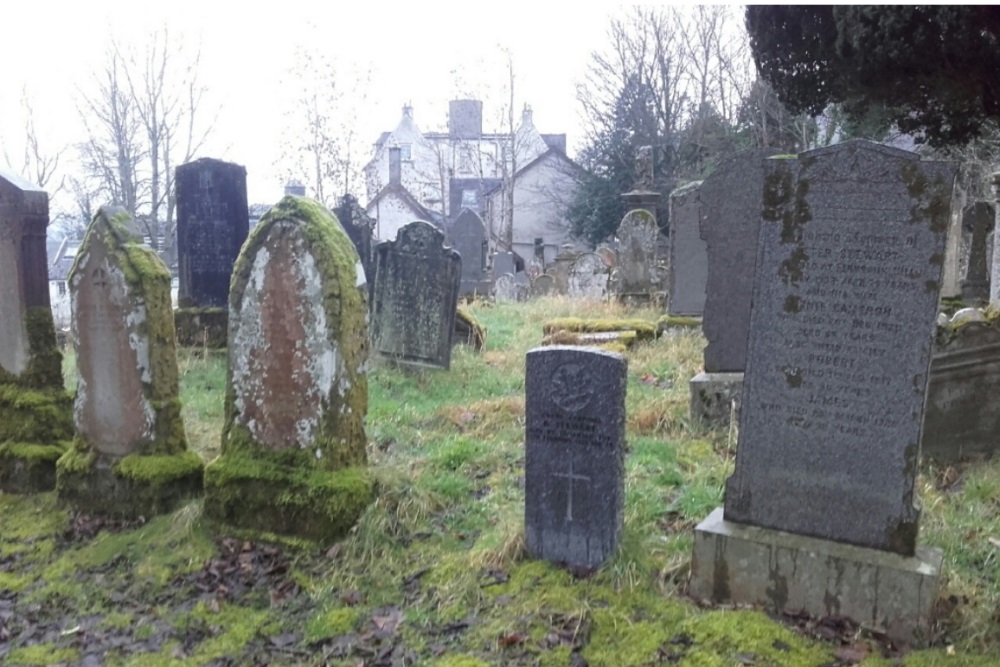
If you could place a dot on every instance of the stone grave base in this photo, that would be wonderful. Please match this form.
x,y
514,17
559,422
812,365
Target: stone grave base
x,y
712,396
127,487
260,495
26,468
202,327
741,564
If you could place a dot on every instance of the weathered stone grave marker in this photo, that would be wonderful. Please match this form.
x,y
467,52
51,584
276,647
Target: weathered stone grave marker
x,y
468,236
977,221
508,288
819,512
293,447
504,262
35,412
543,285
360,227
130,456
688,267
417,281
213,220
575,454
588,277
637,271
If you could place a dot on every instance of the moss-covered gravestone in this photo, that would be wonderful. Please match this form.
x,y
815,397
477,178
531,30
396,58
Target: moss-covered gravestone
x,y
35,411
293,448
129,457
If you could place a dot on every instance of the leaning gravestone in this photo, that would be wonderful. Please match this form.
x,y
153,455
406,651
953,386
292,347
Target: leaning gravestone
x,y
729,223
977,221
293,447
636,266
417,280
468,235
687,274
820,511
213,220
588,277
130,455
574,467
35,411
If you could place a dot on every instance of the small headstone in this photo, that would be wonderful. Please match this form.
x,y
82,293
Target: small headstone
x,y
213,220
360,227
588,277
293,447
543,285
574,454
503,262
468,235
504,288
977,221
688,266
559,270
34,410
416,291
636,269
130,457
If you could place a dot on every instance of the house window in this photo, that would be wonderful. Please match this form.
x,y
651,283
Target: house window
x,y
405,153
62,287
466,163
469,199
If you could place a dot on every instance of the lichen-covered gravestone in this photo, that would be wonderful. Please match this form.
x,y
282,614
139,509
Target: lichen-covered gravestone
x,y
687,275
417,281
35,411
130,456
820,512
588,277
293,446
574,468
637,270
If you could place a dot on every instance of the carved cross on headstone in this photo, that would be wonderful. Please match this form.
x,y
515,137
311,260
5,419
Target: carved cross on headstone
x,y
570,477
100,279
977,220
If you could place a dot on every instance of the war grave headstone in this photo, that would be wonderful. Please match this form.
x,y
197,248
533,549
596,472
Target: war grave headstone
x,y
35,411
977,222
820,511
468,236
360,228
543,285
130,456
293,446
574,454
213,220
729,221
687,273
417,280
588,277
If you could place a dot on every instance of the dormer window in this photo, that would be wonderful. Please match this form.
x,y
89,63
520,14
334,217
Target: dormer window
x,y
405,152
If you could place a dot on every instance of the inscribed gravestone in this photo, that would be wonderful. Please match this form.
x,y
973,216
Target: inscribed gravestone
x,y
543,285
504,288
127,411
729,223
845,299
636,264
360,228
574,454
468,236
34,409
213,220
416,291
293,447
977,221
688,266
588,277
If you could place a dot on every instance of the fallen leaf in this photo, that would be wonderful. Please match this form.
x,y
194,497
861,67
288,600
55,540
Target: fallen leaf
x,y
511,640
389,622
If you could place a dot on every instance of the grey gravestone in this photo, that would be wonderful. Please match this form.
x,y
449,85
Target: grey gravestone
x,y
503,262
977,221
360,228
416,292
468,235
504,288
213,220
844,305
574,454
543,285
588,277
688,266
636,266
729,223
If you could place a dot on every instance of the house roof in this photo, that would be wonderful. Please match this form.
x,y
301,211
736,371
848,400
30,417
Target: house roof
x,y
61,264
421,211
552,152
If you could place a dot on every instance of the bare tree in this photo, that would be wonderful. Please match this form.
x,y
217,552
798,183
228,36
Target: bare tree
x,y
37,163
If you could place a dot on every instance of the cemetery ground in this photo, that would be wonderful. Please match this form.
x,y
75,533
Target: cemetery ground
x,y
435,573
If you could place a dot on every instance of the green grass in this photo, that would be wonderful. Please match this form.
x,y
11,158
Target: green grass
x,y
444,541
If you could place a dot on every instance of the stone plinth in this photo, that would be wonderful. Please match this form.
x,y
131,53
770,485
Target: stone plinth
x,y
741,564
712,397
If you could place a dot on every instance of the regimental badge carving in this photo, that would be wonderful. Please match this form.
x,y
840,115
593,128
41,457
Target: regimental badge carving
x,y
571,388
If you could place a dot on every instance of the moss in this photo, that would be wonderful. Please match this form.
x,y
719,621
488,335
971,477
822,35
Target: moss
x,y
42,417
459,661
468,329
29,468
159,470
44,370
280,492
644,331
676,322
42,654
332,623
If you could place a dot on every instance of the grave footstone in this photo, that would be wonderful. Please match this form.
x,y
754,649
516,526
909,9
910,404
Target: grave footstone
x,y
588,277
468,235
729,222
977,221
130,455
213,220
417,280
293,446
820,511
687,272
574,454
35,411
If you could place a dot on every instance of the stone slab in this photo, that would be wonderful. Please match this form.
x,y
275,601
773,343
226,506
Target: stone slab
x,y
740,564
712,397
688,266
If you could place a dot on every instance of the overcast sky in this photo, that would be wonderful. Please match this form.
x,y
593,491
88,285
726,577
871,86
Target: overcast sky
x,y
413,48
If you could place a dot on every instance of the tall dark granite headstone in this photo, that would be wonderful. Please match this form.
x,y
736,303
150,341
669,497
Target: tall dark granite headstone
x,y
574,454
977,221
416,292
844,302
360,227
468,235
213,221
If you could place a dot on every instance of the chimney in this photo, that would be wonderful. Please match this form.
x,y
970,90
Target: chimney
x,y
395,166
526,119
295,188
408,110
465,119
